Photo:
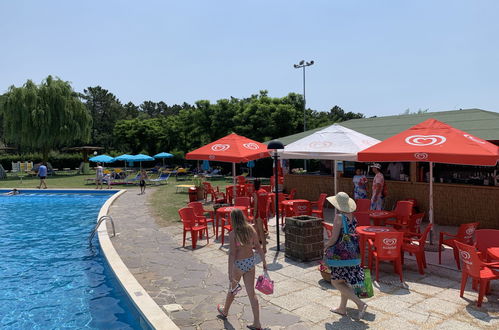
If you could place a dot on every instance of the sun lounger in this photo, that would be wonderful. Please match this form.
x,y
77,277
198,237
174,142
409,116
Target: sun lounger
x,y
162,178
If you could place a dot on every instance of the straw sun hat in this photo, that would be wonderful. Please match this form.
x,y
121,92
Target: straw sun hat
x,y
342,202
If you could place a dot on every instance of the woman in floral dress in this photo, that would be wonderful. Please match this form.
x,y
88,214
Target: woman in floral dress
x,y
359,185
344,278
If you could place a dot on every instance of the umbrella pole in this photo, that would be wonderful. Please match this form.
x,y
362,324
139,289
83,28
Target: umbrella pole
x,y
430,212
234,188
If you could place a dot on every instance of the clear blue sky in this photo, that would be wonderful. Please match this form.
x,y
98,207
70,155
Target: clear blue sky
x,y
374,57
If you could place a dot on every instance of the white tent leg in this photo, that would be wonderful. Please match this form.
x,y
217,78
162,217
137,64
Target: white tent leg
x,y
335,177
430,211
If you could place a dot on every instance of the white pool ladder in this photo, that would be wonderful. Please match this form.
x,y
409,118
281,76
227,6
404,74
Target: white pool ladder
x,y
101,219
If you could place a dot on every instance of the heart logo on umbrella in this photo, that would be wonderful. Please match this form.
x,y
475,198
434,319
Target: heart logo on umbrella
x,y
320,144
220,147
251,146
425,140
390,241
421,155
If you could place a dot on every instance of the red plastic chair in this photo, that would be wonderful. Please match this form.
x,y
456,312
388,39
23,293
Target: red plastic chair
x,y
416,247
403,211
464,235
479,271
328,227
363,218
241,179
414,204
363,205
319,210
292,194
189,221
300,208
250,189
200,212
245,201
386,247
414,224
484,239
216,195
226,225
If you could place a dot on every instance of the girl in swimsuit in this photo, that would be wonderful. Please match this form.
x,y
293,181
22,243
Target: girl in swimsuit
x,y
242,240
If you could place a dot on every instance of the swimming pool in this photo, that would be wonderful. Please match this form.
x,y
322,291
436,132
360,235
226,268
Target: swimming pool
x,y
50,277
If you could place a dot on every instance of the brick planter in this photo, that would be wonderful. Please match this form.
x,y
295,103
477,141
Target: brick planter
x,y
304,238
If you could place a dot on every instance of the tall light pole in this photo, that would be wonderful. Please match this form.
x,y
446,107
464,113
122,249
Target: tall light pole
x,y
303,65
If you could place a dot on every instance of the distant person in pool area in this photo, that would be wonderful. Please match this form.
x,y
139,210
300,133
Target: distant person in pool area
x,y
99,176
42,174
142,184
13,192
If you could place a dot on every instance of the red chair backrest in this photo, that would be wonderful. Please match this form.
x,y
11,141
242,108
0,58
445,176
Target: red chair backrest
x,y
321,201
187,216
263,200
292,194
363,204
466,232
242,201
388,245
250,189
363,218
403,210
267,188
241,179
422,239
415,221
197,207
470,261
486,238
413,200
301,208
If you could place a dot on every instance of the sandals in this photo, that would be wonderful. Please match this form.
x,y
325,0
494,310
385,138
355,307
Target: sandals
x,y
362,311
251,327
335,310
220,309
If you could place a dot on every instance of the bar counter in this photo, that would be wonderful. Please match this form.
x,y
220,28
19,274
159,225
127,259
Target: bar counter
x,y
453,204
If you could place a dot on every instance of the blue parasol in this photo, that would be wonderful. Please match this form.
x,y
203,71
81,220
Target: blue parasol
x,y
163,155
141,158
102,159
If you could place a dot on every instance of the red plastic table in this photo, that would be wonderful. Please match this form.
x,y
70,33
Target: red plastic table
x,y
379,216
223,211
493,253
366,232
287,203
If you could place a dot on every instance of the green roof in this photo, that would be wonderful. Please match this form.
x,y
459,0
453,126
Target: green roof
x,y
481,123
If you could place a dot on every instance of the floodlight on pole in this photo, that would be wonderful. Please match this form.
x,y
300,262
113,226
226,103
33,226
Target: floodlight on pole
x,y
303,64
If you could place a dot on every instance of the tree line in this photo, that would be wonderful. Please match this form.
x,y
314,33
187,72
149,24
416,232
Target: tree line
x,y
51,115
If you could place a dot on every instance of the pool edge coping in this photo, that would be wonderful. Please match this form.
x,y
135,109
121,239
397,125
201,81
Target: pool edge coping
x,y
147,307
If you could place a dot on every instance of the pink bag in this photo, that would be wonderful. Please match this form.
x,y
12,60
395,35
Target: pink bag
x,y
264,284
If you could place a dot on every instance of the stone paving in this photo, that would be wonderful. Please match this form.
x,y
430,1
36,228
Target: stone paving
x,y
197,281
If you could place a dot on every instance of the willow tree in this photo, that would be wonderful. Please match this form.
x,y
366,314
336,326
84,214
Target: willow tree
x,y
46,116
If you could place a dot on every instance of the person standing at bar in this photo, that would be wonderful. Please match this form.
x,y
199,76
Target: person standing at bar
x,y
378,185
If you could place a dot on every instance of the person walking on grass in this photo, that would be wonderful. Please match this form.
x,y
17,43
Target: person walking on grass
x,y
142,183
99,176
242,240
346,273
42,174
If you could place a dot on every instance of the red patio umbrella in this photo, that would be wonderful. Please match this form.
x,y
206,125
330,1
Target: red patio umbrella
x,y
232,148
433,141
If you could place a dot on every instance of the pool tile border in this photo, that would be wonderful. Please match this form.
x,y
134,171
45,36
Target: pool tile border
x,y
147,307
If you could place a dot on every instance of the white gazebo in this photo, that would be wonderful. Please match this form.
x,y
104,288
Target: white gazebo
x,y
334,142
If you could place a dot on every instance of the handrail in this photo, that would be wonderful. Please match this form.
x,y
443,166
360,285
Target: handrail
x,y
101,219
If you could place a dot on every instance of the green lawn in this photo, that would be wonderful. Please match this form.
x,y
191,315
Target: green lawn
x,y
165,201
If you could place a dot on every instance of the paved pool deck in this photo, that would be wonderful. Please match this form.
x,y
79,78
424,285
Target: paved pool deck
x,y
197,282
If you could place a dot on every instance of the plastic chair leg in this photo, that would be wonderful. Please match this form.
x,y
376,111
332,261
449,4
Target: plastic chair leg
x,y
377,270
223,234
194,238
399,266
207,236
464,279
456,257
481,292
183,241
419,260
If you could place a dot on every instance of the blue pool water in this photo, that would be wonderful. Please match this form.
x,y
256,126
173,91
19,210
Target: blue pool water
x,y
49,276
